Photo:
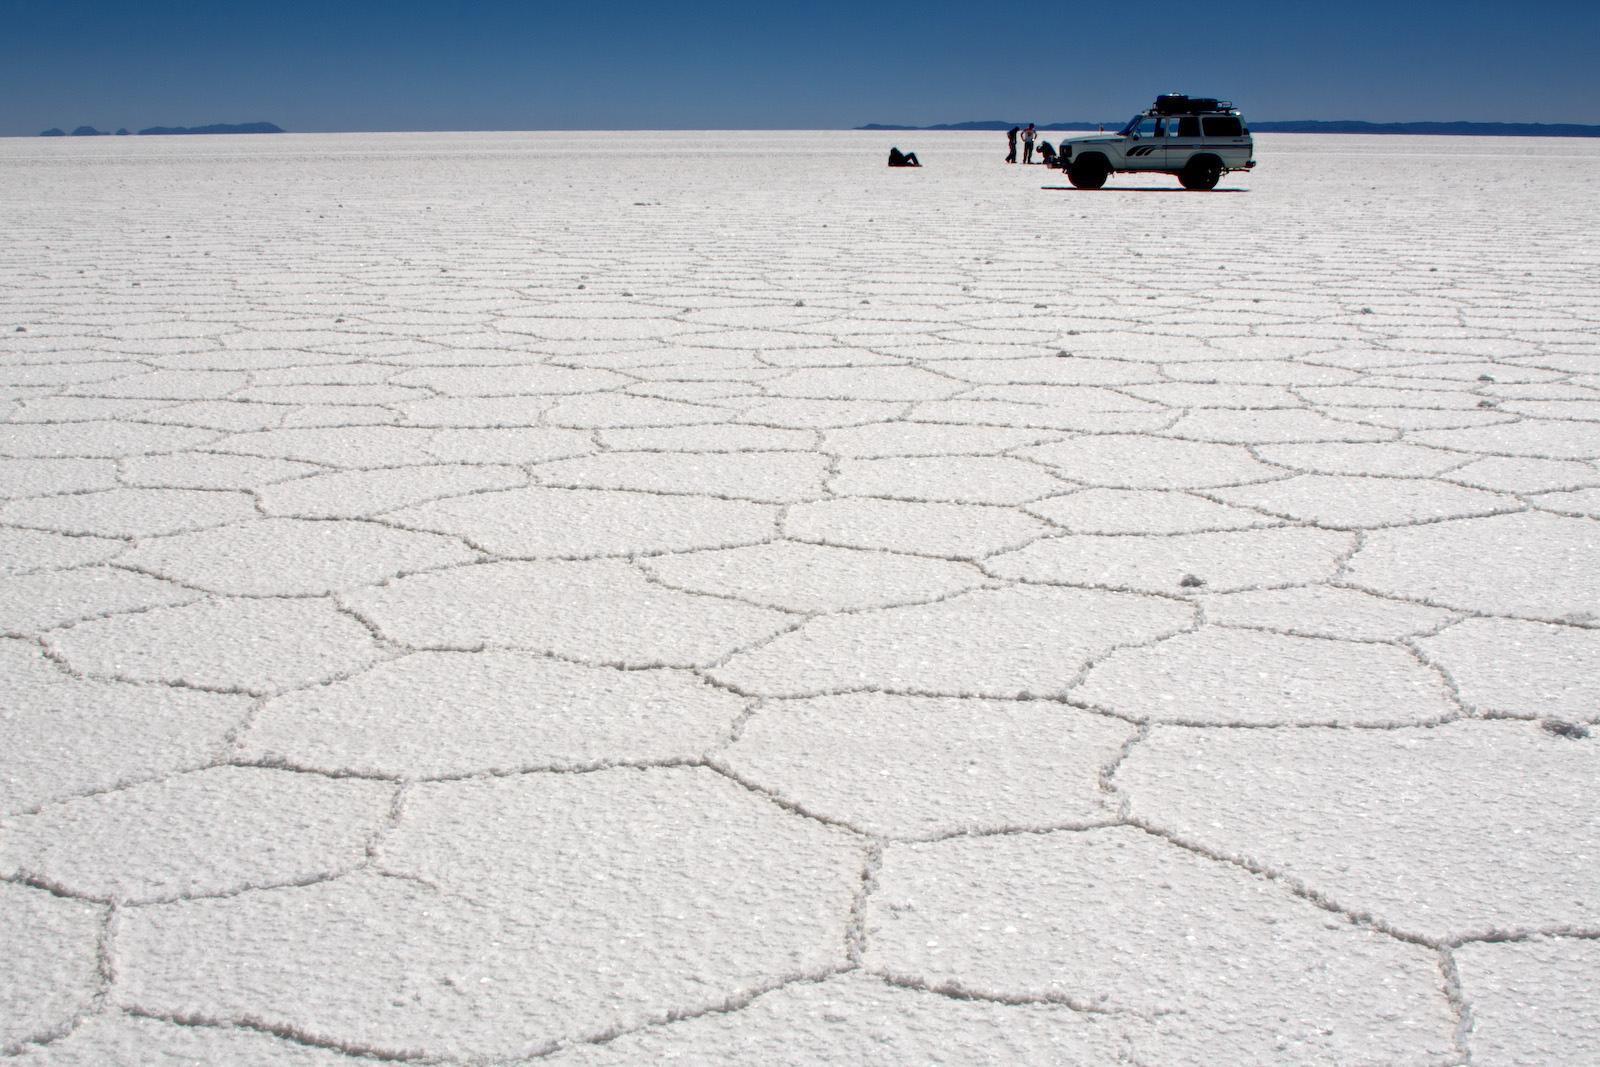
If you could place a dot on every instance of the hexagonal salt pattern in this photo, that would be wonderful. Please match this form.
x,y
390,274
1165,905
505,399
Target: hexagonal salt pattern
x,y
238,644
254,828
598,612
1137,511
513,916
1446,833
1529,565
578,523
436,714
1146,462
44,600
1521,668
1324,611
954,531
291,557
959,766
813,578
68,736
1232,677
516,597
128,512
1199,952
1366,502
1221,561
1002,643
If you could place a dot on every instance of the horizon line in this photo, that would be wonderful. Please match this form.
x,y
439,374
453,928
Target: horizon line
x,y
871,127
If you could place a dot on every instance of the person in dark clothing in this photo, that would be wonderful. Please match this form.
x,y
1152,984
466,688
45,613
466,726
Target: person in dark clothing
x,y
898,158
1047,152
1011,140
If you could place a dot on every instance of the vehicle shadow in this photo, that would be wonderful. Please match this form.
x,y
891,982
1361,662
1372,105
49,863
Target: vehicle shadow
x,y
1132,189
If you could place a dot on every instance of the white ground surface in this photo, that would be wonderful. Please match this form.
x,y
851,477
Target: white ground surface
x,y
614,598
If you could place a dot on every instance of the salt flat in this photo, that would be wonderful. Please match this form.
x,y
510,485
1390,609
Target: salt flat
x,y
608,598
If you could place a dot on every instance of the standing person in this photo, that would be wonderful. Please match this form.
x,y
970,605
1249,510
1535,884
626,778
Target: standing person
x,y
1028,135
1011,139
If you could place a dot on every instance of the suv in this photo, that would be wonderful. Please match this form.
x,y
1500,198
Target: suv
x,y
1199,139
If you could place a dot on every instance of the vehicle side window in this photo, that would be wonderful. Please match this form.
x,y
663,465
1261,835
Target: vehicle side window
x,y
1187,127
1147,127
1224,126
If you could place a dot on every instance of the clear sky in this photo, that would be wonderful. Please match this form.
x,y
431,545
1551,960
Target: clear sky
x,y
493,65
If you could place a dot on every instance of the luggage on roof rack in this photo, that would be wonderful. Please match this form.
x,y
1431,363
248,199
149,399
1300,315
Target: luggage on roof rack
x,y
1181,104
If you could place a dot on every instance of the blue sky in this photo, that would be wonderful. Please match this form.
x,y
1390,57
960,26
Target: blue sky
x,y
361,65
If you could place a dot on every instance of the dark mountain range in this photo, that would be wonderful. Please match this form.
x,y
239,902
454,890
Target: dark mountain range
x,y
994,125
1459,129
243,127
1462,129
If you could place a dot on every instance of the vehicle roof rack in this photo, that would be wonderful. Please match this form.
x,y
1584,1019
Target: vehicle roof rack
x,y
1180,104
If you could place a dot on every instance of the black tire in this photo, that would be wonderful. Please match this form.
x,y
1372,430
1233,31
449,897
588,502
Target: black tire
x,y
1201,174
1088,172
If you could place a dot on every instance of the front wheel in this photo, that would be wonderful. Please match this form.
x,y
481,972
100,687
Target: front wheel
x,y
1090,172
1202,173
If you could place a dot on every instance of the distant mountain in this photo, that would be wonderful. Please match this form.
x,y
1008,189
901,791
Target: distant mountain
x,y
995,126
242,127
1464,129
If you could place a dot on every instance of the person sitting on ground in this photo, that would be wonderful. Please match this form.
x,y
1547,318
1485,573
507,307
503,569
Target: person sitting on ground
x,y
898,158
1047,152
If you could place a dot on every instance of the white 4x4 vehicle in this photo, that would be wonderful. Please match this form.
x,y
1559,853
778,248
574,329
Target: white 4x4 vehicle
x,y
1198,139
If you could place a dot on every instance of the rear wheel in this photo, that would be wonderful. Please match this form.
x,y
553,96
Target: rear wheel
x,y
1202,173
1088,172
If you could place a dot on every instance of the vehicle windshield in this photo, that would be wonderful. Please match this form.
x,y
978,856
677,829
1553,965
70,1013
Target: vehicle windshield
x,y
1133,124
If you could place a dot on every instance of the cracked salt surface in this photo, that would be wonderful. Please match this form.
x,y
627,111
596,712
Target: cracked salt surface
x,y
438,714
786,618
1193,967
1466,830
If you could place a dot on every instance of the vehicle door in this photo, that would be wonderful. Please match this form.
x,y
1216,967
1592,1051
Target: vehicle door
x,y
1226,136
1183,140
1145,148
